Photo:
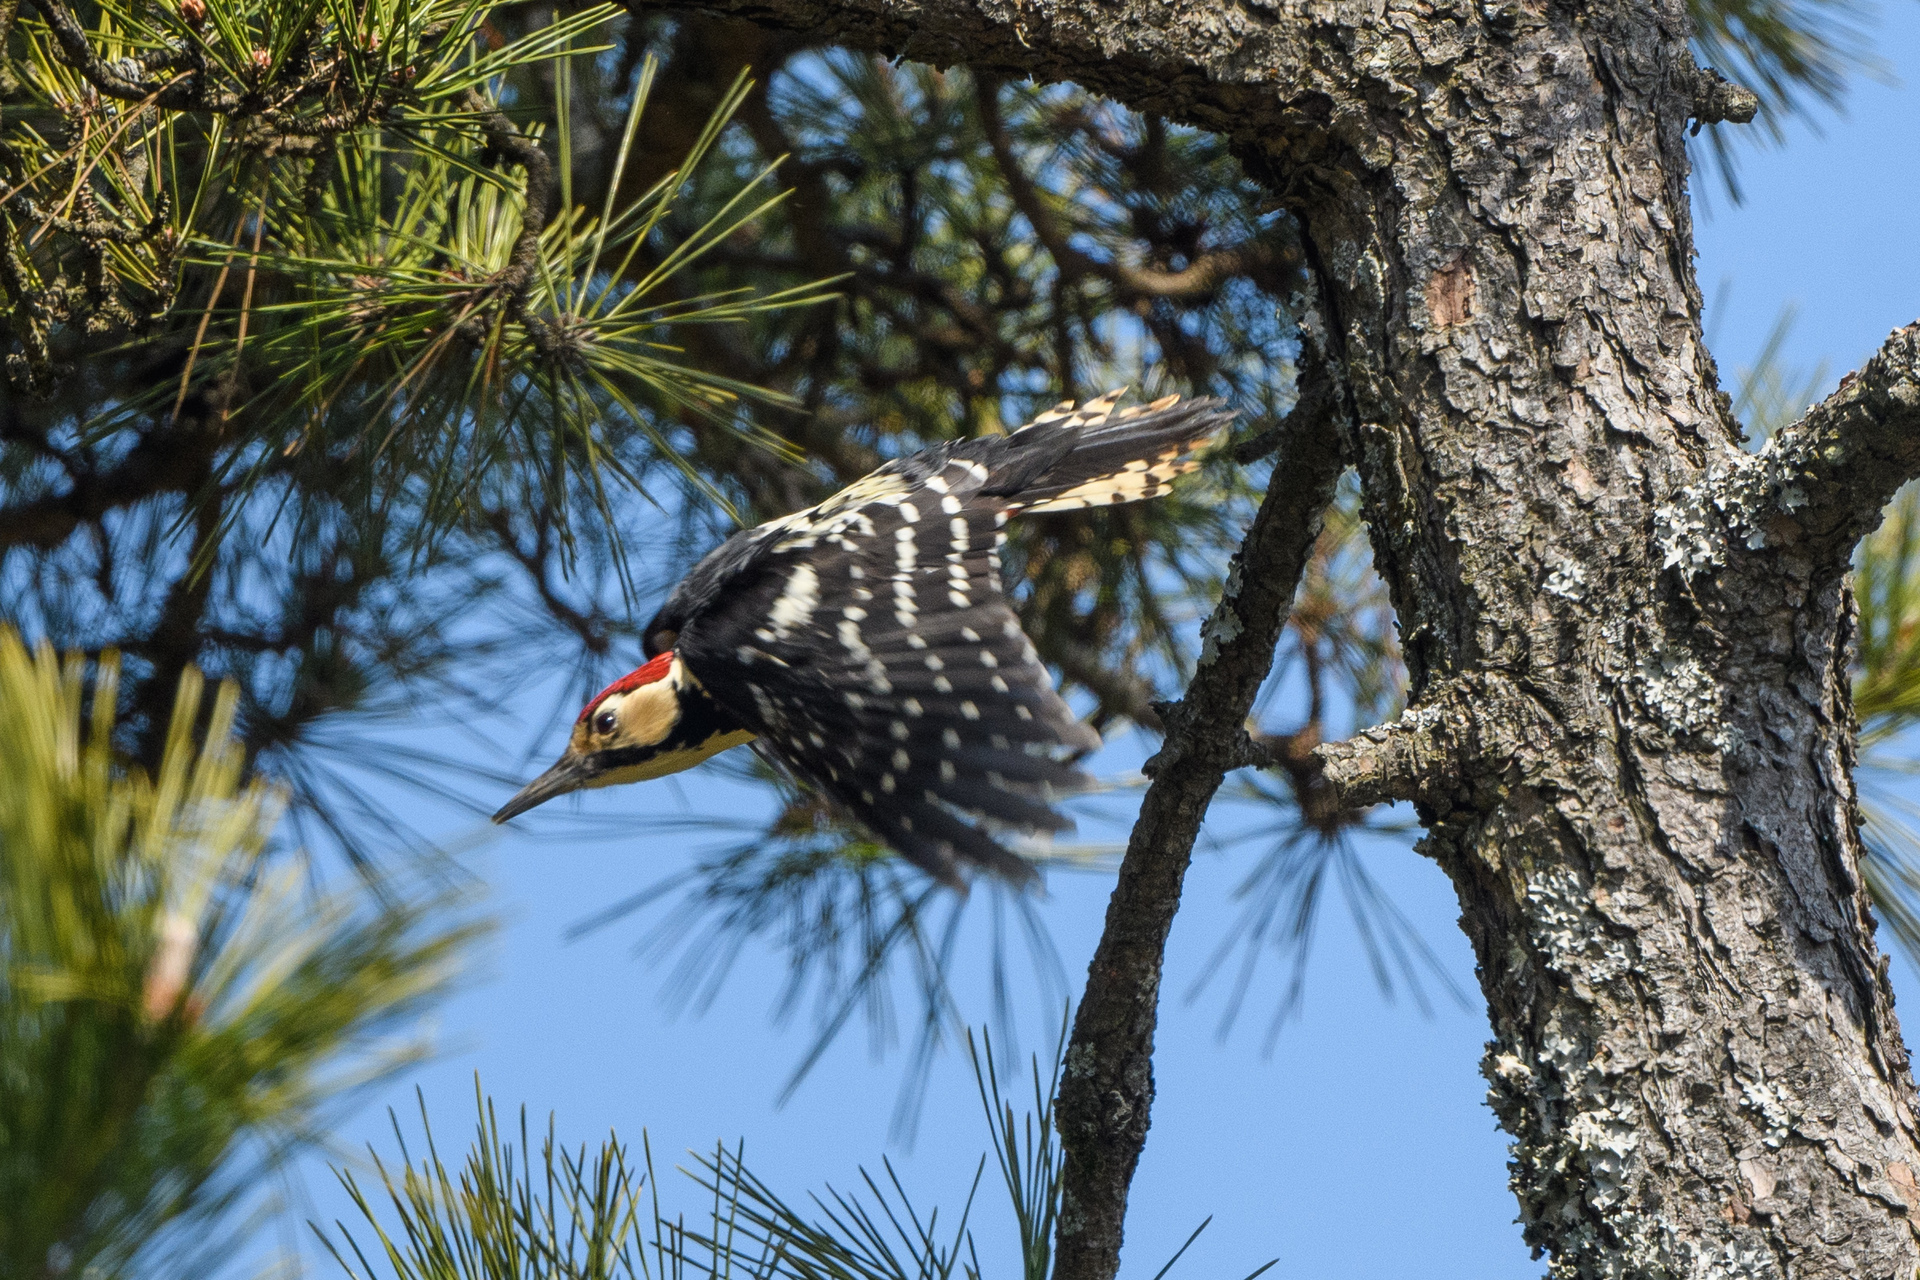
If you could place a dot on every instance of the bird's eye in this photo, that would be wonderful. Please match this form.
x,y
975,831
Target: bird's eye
x,y
604,722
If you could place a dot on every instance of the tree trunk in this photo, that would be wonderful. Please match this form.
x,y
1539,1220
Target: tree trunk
x,y
1630,734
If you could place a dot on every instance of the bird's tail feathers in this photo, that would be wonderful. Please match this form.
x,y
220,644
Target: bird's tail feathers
x,y
1124,455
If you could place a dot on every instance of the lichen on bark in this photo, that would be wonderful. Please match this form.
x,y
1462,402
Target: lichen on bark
x,y
1630,737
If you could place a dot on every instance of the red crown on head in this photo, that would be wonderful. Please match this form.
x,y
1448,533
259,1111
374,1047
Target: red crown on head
x,y
654,670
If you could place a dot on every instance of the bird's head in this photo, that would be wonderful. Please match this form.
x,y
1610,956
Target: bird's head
x,y
648,723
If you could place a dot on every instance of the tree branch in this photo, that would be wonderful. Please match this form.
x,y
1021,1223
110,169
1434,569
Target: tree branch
x,y
1122,691
1145,56
1106,1086
175,94
1460,730
1717,99
515,280
1826,479
160,462
1201,276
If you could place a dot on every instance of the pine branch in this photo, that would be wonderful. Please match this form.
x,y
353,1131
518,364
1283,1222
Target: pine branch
x,y
175,93
516,279
1204,274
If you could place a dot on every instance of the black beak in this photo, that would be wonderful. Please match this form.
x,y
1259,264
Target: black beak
x,y
570,774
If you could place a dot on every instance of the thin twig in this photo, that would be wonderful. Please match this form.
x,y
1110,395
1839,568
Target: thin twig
x,y
1204,274
206,316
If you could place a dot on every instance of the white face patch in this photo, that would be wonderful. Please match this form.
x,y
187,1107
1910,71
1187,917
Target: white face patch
x,y
796,604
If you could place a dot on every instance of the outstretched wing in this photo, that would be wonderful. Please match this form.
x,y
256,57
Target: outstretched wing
x,y
870,645
877,657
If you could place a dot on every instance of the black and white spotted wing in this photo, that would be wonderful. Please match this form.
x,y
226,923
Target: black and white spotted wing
x,y
869,643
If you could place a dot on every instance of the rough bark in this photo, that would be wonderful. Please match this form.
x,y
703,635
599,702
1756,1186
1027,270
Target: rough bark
x,y
1630,736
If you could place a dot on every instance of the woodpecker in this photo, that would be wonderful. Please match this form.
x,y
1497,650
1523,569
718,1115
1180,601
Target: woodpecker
x,y
866,644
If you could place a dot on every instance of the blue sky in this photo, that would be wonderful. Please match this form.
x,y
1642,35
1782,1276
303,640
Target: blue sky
x,y
1361,1146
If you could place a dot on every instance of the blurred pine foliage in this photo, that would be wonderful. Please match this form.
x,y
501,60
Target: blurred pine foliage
x,y
179,1012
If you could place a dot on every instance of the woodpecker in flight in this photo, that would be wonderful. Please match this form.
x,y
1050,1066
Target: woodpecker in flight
x,y
867,646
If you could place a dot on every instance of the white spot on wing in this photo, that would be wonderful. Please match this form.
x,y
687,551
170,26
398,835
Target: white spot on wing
x,y
796,604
